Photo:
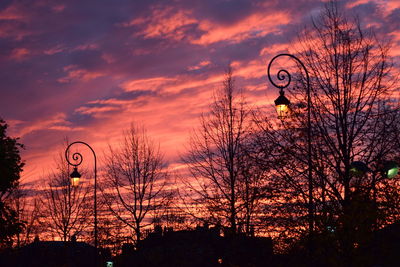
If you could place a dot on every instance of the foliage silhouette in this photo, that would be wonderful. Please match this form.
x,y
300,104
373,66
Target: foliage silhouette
x,y
10,169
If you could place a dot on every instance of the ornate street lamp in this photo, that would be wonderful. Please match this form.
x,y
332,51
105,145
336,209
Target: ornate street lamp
x,y
75,176
282,104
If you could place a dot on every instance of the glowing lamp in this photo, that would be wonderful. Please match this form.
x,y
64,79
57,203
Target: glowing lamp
x,y
282,105
75,176
390,169
358,168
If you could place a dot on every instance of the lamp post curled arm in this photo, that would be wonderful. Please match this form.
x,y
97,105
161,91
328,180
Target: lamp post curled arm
x,y
281,102
78,159
283,74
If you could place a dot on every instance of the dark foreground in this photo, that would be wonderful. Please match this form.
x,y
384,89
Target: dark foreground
x,y
205,247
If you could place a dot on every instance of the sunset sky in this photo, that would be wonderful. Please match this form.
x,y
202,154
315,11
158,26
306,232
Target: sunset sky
x,y
87,69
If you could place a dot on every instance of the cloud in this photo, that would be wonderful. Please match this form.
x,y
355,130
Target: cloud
x,y
56,122
19,53
96,110
146,84
12,12
255,25
164,22
87,69
178,25
201,65
54,50
76,74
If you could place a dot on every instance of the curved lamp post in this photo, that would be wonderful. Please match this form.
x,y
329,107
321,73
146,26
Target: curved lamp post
x,y
75,176
283,108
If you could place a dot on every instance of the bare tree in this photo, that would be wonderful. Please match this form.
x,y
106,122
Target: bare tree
x,y
226,185
135,180
354,118
28,212
111,232
67,208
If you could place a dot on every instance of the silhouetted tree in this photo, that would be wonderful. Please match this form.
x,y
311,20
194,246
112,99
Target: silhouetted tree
x,y
172,217
67,209
28,211
135,180
225,185
111,233
355,117
10,169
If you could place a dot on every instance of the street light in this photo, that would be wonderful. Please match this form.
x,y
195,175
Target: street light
x,y
282,104
358,168
75,177
389,169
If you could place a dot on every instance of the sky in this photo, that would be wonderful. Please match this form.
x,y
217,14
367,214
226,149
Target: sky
x,y
86,70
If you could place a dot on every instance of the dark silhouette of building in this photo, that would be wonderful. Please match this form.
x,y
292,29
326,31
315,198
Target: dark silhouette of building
x,y
54,253
383,248
202,246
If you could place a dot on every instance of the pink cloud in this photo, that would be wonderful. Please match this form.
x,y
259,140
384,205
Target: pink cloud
x,y
54,50
55,122
164,22
173,85
172,107
58,8
201,65
274,49
76,74
61,48
255,25
170,23
108,58
96,111
12,12
90,46
19,53
146,84
386,7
